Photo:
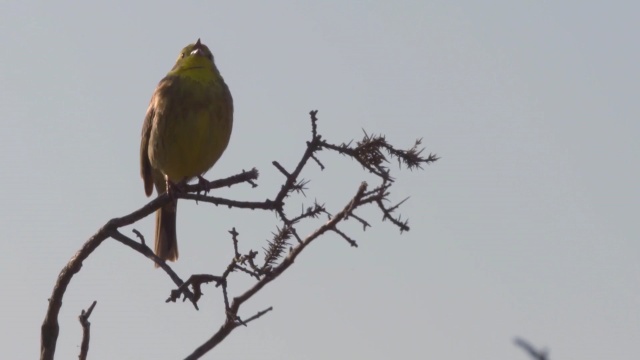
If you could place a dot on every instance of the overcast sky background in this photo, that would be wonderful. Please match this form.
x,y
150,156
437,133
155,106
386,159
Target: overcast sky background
x,y
528,226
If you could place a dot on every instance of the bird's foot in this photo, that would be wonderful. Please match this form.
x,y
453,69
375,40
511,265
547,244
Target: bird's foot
x,y
203,183
174,189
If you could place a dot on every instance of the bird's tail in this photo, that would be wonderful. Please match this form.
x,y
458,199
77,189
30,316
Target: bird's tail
x,y
166,246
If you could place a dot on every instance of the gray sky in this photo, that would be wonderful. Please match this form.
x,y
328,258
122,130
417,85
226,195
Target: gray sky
x,y
526,227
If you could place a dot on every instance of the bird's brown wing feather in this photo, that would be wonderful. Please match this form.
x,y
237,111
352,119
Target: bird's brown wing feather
x,y
145,163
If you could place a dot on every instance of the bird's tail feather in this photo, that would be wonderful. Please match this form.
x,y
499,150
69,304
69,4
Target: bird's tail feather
x,y
166,246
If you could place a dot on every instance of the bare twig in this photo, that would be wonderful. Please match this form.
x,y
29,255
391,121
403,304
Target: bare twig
x,y
254,317
351,242
244,176
253,205
146,251
234,238
86,331
533,352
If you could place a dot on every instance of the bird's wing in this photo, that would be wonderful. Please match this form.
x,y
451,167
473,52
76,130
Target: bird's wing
x,y
145,163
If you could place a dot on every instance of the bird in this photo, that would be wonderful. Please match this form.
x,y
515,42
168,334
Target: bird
x,y
186,130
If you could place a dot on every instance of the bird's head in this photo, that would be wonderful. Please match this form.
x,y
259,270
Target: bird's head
x,y
194,56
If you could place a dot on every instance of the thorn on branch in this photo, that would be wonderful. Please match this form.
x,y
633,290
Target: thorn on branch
x,y
277,246
412,157
311,212
139,236
393,208
369,153
300,186
369,150
289,223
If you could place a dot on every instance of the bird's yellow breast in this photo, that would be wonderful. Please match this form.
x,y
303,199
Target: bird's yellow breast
x,y
191,126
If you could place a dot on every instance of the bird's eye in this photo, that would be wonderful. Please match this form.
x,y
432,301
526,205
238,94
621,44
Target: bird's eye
x,y
210,56
182,55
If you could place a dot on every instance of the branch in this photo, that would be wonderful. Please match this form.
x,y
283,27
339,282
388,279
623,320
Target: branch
x,y
86,329
280,254
256,316
369,153
231,323
146,251
50,328
535,354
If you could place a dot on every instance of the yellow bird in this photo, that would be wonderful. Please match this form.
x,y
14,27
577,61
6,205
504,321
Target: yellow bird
x,y
185,131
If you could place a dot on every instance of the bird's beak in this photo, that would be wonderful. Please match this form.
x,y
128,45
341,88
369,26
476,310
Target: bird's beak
x,y
197,49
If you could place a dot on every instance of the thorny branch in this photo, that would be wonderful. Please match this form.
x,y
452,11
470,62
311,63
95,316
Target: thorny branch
x,y
372,152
